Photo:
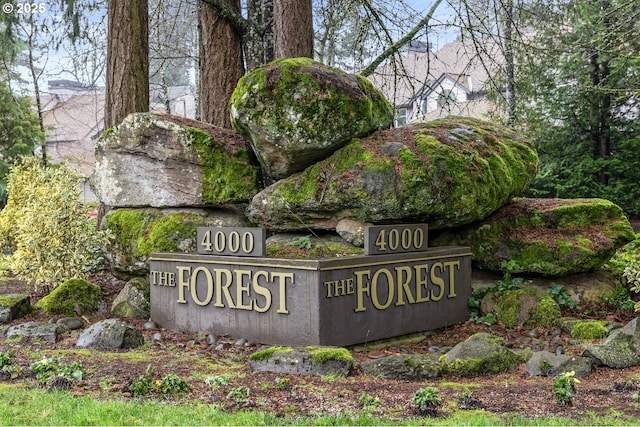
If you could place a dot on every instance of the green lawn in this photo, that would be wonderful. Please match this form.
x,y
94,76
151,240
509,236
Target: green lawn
x,y
42,408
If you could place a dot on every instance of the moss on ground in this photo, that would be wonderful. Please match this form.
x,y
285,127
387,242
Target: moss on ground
x,y
589,329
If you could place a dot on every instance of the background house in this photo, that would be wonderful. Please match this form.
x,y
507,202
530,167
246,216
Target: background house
x,y
73,116
423,84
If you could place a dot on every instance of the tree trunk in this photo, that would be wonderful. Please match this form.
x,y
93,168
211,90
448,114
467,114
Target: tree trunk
x,y
510,93
293,28
221,64
127,88
36,86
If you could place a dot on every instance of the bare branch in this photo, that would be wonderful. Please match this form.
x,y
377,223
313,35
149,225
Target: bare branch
x,y
404,40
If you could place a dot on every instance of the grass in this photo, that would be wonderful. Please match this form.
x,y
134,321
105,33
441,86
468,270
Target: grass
x,y
20,407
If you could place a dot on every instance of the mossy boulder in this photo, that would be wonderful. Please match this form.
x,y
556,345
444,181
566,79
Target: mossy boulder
x,y
304,361
133,300
152,160
621,348
74,297
480,354
448,172
551,237
404,367
14,306
526,307
296,111
139,232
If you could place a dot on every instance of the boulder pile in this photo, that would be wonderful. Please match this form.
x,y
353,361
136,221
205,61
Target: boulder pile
x,y
313,149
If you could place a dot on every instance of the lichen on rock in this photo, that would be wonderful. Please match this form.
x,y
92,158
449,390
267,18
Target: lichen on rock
x,y
552,237
295,111
447,173
153,160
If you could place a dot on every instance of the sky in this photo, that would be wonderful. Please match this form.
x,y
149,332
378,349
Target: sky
x,y
55,62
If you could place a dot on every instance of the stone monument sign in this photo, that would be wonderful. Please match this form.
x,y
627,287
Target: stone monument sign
x,y
400,286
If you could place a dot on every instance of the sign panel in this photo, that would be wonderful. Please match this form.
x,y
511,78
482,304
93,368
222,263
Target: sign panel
x,y
400,238
337,301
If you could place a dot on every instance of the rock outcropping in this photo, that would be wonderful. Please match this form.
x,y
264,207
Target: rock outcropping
x,y
448,173
152,160
552,237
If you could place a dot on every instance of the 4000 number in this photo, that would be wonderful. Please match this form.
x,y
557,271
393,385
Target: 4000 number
x,y
236,241
395,238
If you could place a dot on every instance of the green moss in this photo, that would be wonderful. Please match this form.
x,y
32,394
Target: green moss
x,y
320,109
139,232
127,225
73,297
267,353
324,354
509,306
226,177
163,233
7,300
589,329
545,313
497,363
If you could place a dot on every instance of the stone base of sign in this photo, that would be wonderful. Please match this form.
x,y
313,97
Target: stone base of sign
x,y
336,301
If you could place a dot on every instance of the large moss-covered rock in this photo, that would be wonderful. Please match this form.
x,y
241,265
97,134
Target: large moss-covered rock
x,y
447,173
139,232
166,161
296,111
552,237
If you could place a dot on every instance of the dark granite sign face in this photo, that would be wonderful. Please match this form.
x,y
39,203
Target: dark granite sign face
x,y
335,301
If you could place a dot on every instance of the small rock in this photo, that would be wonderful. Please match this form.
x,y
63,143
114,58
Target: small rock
x,y
71,323
210,339
240,343
110,333
59,384
352,231
220,347
43,331
150,324
157,336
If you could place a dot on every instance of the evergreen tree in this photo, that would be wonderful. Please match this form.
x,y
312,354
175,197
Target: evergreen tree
x,y
583,102
19,133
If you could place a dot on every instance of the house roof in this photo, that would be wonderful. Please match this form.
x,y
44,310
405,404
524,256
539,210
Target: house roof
x,y
402,78
480,108
72,127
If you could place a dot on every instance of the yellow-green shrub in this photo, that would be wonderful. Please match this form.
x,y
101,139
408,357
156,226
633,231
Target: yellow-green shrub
x,y
46,227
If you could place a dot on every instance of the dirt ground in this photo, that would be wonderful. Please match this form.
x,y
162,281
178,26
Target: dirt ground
x,y
109,374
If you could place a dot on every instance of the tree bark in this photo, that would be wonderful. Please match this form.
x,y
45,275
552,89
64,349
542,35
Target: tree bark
x,y
221,64
293,28
127,85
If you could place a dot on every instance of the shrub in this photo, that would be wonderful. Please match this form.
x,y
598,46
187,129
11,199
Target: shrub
x,y
427,400
564,388
45,225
